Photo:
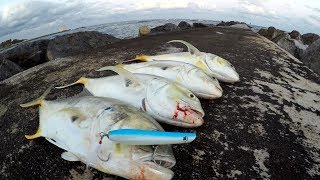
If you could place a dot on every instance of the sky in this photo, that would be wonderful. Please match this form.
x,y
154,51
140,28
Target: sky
x,y
25,19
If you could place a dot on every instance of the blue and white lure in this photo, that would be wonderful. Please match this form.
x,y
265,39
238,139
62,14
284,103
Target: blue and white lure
x,y
148,137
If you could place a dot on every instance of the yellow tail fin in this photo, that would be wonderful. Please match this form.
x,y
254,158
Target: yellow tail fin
x,y
82,80
39,100
143,58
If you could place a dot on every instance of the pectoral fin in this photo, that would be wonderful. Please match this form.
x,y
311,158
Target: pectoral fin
x,y
193,50
68,156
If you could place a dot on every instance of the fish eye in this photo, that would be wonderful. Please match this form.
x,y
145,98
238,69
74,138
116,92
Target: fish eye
x,y
191,95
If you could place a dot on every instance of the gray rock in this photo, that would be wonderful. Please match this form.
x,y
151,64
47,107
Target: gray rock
x,y
309,38
28,54
234,24
311,57
184,25
165,28
199,25
72,44
295,35
270,33
8,68
285,42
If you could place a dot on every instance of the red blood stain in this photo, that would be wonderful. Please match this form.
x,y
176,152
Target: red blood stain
x,y
142,175
178,109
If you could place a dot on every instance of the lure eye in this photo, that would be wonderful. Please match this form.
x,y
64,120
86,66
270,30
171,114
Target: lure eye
x,y
191,95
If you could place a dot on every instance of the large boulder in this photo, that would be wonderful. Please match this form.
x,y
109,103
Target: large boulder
x,y
309,38
184,25
311,56
165,28
72,44
270,33
8,68
28,54
241,26
199,25
264,127
285,42
295,35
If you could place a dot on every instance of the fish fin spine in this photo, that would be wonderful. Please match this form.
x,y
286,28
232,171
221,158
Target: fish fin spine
x,y
39,100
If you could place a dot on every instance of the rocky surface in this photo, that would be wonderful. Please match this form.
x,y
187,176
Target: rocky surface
x,y
309,38
144,30
8,68
285,42
184,25
80,42
165,28
295,35
270,33
311,57
264,127
199,25
28,54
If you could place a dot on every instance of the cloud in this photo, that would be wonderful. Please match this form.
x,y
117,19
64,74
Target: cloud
x,y
28,19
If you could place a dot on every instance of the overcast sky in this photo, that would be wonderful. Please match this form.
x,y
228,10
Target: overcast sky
x,y
33,18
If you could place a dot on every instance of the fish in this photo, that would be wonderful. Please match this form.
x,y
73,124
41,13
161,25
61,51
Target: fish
x,y
185,74
77,125
161,98
213,65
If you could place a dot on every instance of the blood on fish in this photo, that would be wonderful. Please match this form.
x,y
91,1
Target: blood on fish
x,y
142,175
178,109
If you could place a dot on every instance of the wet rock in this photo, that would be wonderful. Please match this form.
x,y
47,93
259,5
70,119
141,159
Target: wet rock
x,y
165,28
285,42
8,68
184,25
28,54
72,44
264,127
295,35
311,57
199,25
309,38
144,30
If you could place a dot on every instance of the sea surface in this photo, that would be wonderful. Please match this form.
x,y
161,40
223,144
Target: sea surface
x,y
124,29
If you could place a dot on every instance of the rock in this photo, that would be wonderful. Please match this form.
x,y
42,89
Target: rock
x,y
28,54
184,25
311,57
199,25
295,35
72,44
8,68
300,48
270,33
309,38
285,42
228,23
165,28
264,127
241,26
144,30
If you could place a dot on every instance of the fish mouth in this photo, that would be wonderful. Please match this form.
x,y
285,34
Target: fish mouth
x,y
192,116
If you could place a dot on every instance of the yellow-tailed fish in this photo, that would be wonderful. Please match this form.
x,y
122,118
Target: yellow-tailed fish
x,y
187,75
78,126
164,100
212,64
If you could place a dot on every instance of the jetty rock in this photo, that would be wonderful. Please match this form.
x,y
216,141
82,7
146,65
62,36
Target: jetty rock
x,y
264,127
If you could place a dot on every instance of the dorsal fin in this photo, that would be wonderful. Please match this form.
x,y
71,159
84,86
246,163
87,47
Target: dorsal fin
x,y
192,50
122,72
39,100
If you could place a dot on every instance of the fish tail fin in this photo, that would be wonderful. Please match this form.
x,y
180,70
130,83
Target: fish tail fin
x,y
143,58
39,100
82,80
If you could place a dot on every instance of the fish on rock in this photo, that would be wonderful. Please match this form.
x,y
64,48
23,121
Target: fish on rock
x,y
164,100
212,64
78,125
187,75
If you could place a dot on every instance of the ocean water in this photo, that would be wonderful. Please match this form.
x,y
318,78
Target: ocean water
x,y
124,29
